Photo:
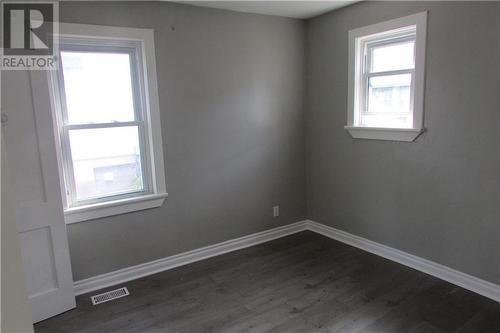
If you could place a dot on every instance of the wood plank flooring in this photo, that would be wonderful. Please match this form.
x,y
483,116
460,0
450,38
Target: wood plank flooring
x,y
300,283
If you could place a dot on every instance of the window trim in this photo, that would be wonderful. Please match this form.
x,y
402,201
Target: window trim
x,y
141,42
357,39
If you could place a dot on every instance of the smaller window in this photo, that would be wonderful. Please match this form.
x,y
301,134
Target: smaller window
x,y
107,116
386,78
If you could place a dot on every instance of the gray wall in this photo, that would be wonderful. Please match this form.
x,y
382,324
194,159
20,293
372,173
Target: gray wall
x,y
232,94
439,197
231,89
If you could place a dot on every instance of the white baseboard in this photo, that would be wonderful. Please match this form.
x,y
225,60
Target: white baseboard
x,y
156,266
453,276
458,278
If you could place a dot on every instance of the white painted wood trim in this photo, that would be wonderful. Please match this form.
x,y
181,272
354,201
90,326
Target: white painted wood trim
x,y
442,272
153,142
160,265
110,208
390,134
445,273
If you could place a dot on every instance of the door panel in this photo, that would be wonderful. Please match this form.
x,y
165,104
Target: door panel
x,y
39,259
38,206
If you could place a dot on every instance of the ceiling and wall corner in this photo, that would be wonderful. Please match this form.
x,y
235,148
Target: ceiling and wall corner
x,y
304,9
292,9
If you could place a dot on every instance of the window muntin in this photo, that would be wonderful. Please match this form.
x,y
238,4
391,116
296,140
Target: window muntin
x,y
102,123
386,83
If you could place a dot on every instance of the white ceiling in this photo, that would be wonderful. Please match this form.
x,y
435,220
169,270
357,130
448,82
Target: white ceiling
x,y
296,9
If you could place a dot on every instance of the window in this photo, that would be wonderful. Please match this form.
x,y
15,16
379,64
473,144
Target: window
x,y
386,79
107,117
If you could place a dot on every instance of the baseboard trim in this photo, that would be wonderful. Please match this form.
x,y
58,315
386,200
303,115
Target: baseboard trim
x,y
448,274
134,272
442,272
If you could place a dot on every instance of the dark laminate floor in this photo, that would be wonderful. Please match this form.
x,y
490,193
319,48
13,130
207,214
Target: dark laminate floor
x,y
301,283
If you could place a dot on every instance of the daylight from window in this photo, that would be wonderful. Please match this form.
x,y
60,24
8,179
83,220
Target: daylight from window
x,y
104,136
388,75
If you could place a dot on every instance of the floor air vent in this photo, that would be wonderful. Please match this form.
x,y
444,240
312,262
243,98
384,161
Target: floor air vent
x,y
109,295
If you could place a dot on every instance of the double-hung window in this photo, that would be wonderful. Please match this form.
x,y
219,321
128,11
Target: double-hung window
x,y
386,78
107,119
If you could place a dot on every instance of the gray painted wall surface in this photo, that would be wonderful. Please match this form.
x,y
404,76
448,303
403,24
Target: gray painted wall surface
x,y
439,197
231,89
231,96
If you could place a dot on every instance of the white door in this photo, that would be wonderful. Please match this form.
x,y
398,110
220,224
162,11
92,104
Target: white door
x,y
38,205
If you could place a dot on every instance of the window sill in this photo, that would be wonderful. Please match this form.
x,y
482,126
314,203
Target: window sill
x,y
95,211
390,134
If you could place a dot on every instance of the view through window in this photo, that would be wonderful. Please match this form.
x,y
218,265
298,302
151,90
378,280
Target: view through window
x,y
102,124
388,76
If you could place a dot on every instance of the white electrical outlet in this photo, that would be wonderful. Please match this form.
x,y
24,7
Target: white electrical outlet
x,y
276,211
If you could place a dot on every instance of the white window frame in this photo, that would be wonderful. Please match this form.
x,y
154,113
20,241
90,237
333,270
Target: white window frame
x,y
139,43
411,27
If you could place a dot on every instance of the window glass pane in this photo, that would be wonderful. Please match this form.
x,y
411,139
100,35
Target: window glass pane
x,y
98,87
388,102
393,57
106,161
389,93
386,120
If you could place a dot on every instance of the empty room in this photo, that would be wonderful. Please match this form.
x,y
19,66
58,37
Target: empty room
x,y
250,166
